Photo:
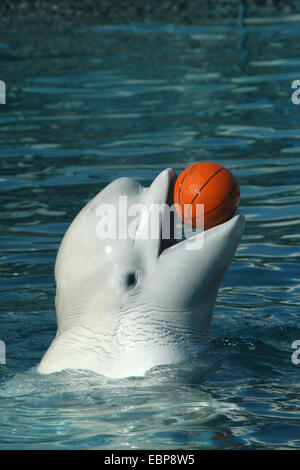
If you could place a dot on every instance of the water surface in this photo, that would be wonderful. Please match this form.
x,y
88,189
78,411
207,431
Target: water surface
x,y
92,103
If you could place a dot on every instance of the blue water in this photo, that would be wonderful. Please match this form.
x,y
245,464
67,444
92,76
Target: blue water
x,y
89,104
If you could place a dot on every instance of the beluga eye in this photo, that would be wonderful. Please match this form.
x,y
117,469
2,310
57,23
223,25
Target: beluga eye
x,y
126,279
131,278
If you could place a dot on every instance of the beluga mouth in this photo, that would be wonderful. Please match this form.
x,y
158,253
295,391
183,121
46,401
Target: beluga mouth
x,y
180,234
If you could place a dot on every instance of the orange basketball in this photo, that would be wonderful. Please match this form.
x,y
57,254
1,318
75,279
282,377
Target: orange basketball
x,y
210,184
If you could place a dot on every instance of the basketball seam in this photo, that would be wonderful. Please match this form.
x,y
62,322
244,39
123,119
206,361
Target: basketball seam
x,y
203,186
227,197
179,190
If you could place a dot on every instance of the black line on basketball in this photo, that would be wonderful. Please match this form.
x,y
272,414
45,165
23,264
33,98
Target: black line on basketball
x,y
203,186
187,173
227,197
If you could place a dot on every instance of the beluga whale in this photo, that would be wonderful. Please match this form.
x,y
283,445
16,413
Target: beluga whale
x,y
126,304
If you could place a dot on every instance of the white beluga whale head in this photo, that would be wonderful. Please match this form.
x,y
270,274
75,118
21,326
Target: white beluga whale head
x,y
130,302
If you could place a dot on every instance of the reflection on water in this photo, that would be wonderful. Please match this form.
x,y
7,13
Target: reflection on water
x,y
91,103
